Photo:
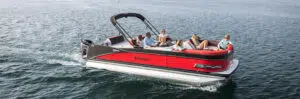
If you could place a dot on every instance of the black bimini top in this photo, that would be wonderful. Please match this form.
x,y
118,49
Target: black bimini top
x,y
114,18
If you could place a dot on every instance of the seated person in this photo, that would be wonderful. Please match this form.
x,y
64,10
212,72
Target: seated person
x,y
178,46
162,38
148,41
224,42
139,40
199,44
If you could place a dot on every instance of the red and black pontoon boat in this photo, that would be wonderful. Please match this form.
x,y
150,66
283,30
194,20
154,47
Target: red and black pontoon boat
x,y
123,54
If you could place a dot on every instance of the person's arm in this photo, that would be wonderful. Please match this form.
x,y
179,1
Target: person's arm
x,y
159,37
153,42
220,44
230,42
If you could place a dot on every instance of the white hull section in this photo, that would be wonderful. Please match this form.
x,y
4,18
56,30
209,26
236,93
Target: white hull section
x,y
197,79
233,66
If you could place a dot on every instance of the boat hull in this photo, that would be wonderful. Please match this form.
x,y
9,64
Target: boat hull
x,y
180,76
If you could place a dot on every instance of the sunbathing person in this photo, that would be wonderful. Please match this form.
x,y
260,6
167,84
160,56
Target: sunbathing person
x,y
178,46
199,44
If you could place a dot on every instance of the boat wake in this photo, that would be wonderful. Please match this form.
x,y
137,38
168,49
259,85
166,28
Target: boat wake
x,y
42,56
62,62
67,59
211,87
129,80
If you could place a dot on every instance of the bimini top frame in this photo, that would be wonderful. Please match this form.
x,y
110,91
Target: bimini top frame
x,y
114,21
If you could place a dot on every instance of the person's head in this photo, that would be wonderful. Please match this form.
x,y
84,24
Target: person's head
x,y
227,37
195,37
179,43
140,37
163,31
148,34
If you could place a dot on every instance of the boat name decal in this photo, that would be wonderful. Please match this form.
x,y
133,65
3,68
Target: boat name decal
x,y
114,50
206,66
141,58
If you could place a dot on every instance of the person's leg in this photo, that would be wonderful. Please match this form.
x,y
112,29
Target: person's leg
x,y
205,43
160,39
163,41
202,45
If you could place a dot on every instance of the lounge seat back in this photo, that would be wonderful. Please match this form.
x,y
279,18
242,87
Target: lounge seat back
x,y
114,40
188,45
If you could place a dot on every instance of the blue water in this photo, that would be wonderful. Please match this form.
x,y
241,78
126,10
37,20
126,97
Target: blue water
x,y
39,52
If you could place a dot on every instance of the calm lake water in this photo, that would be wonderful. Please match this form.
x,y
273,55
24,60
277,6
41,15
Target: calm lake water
x,y
39,47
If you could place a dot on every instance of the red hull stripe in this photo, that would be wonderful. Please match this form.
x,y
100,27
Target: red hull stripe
x,y
165,61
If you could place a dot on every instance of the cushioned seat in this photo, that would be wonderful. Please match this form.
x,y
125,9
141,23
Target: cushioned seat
x,y
116,39
188,44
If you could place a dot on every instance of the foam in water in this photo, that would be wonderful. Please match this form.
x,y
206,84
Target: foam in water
x,y
73,59
63,62
49,56
76,57
211,87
